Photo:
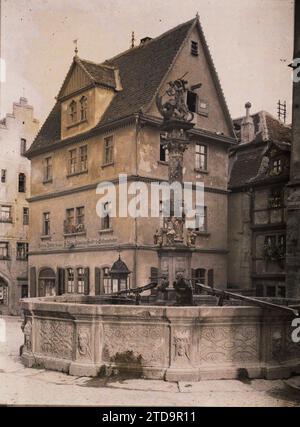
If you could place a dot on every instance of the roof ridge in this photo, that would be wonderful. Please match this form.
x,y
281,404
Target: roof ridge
x,y
217,79
172,62
98,64
154,39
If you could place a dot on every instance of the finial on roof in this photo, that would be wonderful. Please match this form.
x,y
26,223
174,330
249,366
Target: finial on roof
x,y
132,39
248,106
197,15
76,47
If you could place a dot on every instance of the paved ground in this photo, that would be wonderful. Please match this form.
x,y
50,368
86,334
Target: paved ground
x,y
22,386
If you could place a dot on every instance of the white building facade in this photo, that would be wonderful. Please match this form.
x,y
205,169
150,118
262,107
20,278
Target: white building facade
x,y
17,131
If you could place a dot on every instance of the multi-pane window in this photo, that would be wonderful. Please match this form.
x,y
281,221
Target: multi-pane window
x,y
194,48
276,197
201,219
105,220
83,165
78,160
23,146
5,214
46,223
22,251
191,100
276,168
22,183
3,176
108,150
48,169
25,216
72,161
106,280
83,108
80,218
74,220
201,157
73,112
4,250
80,280
70,280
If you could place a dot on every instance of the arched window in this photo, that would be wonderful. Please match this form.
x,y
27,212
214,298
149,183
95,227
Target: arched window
x,y
83,108
22,183
73,111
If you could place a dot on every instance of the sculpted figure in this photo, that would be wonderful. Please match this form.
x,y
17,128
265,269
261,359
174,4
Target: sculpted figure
x,y
191,237
84,344
184,292
175,107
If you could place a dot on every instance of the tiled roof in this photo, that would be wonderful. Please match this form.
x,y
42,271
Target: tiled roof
x,y
266,127
100,73
246,166
142,70
247,157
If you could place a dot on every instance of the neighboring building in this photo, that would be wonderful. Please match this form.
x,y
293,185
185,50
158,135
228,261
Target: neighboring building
x,y
105,122
259,172
17,131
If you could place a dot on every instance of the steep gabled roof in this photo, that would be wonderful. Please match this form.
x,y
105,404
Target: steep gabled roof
x,y
142,70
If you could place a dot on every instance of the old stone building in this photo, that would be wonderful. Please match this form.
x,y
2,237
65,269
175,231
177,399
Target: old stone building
x,y
105,122
259,172
17,131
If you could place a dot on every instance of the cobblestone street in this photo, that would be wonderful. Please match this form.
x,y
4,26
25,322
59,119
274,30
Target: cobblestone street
x,y
24,386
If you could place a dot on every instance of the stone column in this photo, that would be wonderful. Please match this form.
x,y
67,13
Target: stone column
x,y
293,201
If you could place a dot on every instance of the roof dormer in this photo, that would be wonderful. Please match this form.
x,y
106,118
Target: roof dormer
x,y
86,93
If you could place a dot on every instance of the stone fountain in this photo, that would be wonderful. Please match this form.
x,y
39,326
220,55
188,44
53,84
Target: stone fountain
x,y
86,336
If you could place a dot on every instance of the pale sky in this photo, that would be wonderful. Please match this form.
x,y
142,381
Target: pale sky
x,y
250,41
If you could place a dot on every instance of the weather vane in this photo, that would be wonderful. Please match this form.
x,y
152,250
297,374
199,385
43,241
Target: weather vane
x,y
76,47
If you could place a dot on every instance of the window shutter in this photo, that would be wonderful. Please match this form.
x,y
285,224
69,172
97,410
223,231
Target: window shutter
x,y
32,278
210,278
154,274
86,281
193,276
97,281
60,278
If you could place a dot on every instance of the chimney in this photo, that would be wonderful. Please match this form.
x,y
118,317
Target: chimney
x,y
247,126
145,40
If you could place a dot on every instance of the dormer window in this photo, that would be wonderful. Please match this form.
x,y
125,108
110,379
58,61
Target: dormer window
x,y
276,167
73,112
83,108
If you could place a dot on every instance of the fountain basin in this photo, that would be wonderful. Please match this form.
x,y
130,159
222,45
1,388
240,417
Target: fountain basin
x,y
82,338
